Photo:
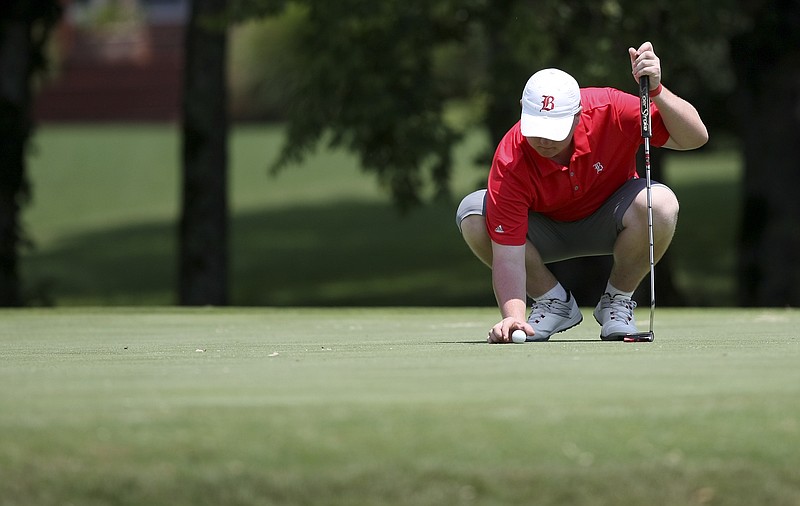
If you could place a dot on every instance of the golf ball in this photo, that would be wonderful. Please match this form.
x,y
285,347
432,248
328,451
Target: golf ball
x,y
519,336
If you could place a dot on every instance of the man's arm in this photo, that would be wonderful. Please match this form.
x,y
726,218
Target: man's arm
x,y
686,129
508,280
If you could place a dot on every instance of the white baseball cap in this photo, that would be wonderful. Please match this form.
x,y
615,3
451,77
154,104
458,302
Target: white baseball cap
x,y
550,101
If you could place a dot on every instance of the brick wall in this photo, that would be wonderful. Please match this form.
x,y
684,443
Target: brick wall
x,y
127,73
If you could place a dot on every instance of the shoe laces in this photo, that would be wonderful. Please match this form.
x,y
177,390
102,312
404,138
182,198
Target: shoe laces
x,y
541,308
618,309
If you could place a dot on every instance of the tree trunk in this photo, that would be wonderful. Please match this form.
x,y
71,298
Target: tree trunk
x,y
767,64
769,237
203,240
15,69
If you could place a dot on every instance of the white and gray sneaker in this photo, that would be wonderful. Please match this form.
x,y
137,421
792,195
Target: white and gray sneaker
x,y
550,316
615,315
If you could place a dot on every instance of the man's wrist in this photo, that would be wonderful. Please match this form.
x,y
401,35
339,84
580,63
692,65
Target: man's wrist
x,y
657,91
514,308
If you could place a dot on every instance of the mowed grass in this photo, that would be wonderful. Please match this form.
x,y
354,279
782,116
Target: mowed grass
x,y
105,208
288,406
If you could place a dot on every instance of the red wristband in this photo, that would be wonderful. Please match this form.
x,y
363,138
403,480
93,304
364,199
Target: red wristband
x,y
656,92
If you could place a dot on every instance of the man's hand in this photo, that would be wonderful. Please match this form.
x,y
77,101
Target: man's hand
x,y
501,333
644,62
686,129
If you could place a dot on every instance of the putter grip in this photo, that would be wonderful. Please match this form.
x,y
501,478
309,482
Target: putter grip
x,y
644,101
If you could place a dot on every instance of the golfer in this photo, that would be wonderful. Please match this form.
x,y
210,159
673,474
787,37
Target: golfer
x,y
563,184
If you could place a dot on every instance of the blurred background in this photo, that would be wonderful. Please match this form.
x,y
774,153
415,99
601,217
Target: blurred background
x,y
297,153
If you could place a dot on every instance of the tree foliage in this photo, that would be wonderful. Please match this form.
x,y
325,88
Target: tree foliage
x,y
377,81
372,83
369,85
373,79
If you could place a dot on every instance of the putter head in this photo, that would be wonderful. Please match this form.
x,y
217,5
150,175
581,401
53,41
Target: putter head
x,y
640,337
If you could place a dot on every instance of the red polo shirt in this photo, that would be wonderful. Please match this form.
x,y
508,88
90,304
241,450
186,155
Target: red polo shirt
x,y
606,141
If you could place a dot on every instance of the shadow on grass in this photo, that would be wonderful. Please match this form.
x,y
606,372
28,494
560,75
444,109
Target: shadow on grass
x,y
340,254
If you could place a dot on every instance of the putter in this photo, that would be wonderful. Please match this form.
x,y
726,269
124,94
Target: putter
x,y
644,101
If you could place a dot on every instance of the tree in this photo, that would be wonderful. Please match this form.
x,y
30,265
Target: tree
x,y
25,26
203,235
203,228
371,85
766,58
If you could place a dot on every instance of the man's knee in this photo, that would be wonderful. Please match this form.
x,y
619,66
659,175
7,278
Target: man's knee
x,y
471,205
473,230
474,227
665,207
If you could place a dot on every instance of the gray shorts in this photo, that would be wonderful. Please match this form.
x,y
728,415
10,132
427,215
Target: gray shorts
x,y
560,240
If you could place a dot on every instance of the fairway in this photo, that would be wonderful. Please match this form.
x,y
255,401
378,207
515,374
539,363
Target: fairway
x,y
180,406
